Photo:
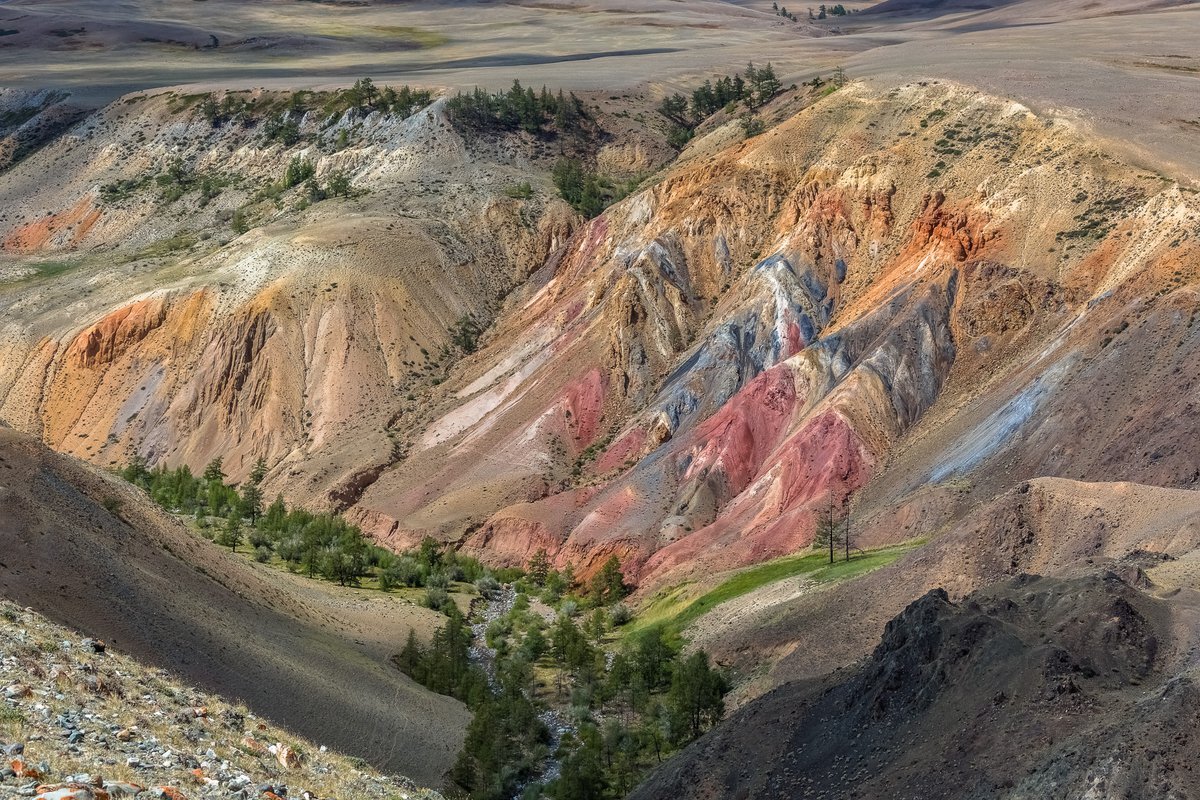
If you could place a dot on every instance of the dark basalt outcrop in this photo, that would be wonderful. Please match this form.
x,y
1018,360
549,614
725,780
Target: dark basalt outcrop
x,y
1035,687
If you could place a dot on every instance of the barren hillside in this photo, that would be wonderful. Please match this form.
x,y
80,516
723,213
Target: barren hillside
x,y
943,286
81,720
1032,687
886,292
93,553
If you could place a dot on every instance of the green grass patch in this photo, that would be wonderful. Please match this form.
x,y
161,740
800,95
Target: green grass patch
x,y
50,269
418,36
415,37
32,271
165,247
179,103
678,606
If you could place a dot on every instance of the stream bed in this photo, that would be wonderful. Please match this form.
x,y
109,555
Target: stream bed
x,y
495,606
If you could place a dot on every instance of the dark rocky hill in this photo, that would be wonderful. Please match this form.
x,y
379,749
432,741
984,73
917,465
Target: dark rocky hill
x,y
1035,687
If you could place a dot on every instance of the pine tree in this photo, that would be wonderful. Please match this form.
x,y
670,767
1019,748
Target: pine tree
x,y
608,585
231,533
251,502
409,659
136,471
276,515
597,624
534,645
582,776
539,567
768,84
675,109
363,92
695,698
213,472
653,656
830,529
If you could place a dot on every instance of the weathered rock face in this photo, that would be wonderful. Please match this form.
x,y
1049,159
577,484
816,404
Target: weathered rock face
x,y
778,320
166,333
953,694
888,290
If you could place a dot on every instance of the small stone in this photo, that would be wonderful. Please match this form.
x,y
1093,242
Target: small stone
x,y
167,793
253,745
73,791
23,770
76,737
287,757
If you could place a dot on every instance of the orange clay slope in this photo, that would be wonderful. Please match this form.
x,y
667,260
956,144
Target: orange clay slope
x,y
903,300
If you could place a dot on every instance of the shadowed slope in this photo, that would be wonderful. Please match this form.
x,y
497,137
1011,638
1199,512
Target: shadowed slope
x,y
1036,687
136,578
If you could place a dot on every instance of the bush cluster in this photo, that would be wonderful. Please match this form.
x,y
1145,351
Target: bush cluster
x,y
521,109
320,545
759,86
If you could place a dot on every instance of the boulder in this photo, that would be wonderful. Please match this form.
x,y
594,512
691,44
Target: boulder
x,y
286,756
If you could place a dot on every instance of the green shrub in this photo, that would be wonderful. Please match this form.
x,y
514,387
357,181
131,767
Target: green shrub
x,y
438,599
522,191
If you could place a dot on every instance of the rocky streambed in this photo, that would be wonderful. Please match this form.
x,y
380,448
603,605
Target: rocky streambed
x,y
495,605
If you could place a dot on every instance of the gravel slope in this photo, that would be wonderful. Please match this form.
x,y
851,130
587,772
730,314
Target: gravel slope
x,y
140,581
